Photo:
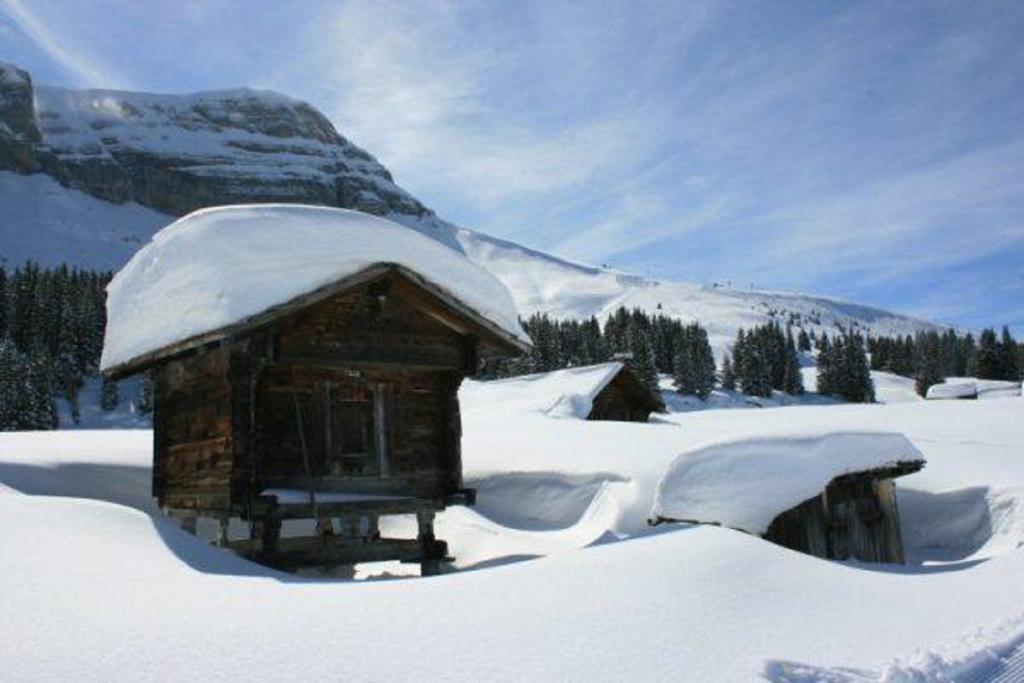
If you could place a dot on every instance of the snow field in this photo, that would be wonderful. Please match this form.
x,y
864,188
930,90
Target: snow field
x,y
97,590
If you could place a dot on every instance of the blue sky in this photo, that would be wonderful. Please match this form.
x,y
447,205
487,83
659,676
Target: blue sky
x,y
870,151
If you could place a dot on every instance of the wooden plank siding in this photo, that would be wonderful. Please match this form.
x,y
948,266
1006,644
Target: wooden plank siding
x,y
193,433
624,399
371,374
856,517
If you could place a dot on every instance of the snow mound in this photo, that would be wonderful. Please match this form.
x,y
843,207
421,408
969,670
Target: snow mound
x,y
972,387
952,390
562,393
745,483
216,267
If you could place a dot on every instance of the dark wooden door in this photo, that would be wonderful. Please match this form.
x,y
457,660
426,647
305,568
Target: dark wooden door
x,y
358,416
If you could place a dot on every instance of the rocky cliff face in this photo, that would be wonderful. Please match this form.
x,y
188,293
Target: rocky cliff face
x,y
18,129
178,153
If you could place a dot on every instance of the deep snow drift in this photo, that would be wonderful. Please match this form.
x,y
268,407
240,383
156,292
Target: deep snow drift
x,y
217,267
97,590
745,483
560,393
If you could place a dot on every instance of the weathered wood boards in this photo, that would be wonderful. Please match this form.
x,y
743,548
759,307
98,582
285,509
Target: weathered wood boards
x,y
353,392
855,517
626,399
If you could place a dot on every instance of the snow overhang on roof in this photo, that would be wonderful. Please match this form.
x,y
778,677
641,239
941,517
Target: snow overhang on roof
x,y
745,483
208,273
569,392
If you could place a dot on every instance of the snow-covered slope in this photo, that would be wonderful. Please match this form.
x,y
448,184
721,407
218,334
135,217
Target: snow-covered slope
x,y
105,169
97,590
44,221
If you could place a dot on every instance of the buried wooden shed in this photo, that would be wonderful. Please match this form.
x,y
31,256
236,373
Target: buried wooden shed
x,y
605,391
624,398
831,495
306,364
855,517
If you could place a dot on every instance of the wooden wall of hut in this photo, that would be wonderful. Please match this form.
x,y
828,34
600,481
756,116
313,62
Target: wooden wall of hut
x,y
193,432
856,517
356,393
622,402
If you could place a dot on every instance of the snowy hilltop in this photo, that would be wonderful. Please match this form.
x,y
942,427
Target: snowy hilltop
x,y
87,176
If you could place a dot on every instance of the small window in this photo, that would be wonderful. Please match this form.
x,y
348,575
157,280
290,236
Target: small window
x,y
351,450
357,429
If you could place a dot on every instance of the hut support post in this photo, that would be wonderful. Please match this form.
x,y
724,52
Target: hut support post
x,y
373,527
325,526
430,564
268,531
222,531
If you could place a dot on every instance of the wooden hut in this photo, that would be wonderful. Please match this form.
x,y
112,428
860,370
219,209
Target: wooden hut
x,y
766,486
338,404
855,517
605,391
625,398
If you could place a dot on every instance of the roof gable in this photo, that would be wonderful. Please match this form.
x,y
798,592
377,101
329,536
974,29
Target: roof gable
x,y
414,290
221,271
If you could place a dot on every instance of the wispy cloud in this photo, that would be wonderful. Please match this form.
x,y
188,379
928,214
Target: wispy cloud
x,y
864,150
453,98
62,49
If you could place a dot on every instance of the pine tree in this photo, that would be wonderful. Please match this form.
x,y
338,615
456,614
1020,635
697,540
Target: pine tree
x,y
728,376
684,373
929,371
641,361
803,342
144,402
792,381
12,383
826,384
39,408
1008,356
108,394
970,354
694,363
755,372
3,303
705,362
858,385
987,359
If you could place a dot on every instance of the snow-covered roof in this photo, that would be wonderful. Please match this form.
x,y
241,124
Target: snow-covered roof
x,y
944,390
745,483
990,388
561,393
219,267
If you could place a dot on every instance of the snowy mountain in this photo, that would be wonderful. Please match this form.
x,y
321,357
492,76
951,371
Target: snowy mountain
x,y
86,176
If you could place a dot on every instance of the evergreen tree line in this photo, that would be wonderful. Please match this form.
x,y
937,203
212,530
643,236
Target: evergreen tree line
x,y
930,357
52,322
51,337
648,344
763,359
843,368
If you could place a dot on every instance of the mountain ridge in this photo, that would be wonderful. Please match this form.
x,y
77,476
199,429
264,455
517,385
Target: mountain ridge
x,y
88,175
